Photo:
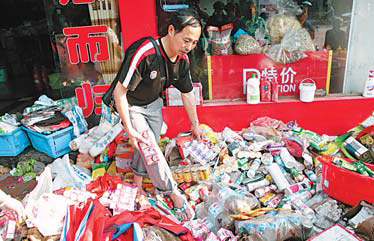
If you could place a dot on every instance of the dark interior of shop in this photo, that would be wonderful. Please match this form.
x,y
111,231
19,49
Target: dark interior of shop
x,y
27,30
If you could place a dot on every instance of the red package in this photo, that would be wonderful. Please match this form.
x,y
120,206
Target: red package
x,y
265,90
274,90
103,183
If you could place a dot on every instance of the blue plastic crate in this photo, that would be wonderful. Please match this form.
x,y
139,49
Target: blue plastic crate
x,y
13,143
55,144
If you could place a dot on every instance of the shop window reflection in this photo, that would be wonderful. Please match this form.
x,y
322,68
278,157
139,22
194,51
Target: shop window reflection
x,y
305,25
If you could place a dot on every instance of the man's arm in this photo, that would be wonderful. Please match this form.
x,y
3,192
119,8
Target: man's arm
x,y
190,107
122,107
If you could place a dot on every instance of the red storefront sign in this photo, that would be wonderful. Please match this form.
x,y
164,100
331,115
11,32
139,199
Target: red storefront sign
x,y
90,45
230,73
88,97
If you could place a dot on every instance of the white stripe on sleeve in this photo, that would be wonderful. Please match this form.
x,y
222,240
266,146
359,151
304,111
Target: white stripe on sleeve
x,y
134,63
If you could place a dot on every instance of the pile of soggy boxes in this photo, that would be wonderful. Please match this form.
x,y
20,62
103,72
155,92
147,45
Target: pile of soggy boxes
x,y
270,181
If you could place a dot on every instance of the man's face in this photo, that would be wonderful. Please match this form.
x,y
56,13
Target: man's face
x,y
184,41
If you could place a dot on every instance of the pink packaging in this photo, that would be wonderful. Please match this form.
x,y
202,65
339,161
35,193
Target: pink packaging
x,y
148,150
274,90
265,90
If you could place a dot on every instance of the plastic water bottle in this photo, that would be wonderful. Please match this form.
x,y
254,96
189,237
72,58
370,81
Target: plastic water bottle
x,y
369,86
253,90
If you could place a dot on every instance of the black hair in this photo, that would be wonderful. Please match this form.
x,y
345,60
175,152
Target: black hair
x,y
184,18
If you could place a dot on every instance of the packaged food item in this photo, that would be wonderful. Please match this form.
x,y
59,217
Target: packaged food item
x,y
274,90
195,173
265,89
220,39
246,44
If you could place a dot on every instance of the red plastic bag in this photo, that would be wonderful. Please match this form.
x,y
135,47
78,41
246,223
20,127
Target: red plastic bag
x,y
103,183
149,217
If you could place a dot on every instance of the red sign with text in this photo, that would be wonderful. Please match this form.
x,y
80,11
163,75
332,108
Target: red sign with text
x,y
90,98
90,45
230,73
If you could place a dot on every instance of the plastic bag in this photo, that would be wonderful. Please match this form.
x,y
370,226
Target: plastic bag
x,y
289,7
278,25
298,40
68,175
220,39
281,56
247,45
268,132
48,213
76,117
236,204
44,186
288,37
274,226
103,183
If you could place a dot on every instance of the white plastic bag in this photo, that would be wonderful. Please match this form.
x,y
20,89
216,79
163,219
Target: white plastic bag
x,y
44,186
49,212
68,175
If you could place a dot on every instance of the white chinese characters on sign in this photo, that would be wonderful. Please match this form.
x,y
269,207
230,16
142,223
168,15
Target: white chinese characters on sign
x,y
287,76
288,84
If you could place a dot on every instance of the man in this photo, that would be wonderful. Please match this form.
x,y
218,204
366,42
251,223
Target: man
x,y
336,37
137,96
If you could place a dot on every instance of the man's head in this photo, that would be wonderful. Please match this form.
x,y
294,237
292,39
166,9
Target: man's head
x,y
184,31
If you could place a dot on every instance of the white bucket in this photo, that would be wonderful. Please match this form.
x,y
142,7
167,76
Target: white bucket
x,y
307,90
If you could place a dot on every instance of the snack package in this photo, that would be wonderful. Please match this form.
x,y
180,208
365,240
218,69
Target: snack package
x,y
246,44
220,39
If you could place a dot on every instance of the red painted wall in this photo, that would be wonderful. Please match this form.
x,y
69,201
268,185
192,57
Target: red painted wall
x,y
138,19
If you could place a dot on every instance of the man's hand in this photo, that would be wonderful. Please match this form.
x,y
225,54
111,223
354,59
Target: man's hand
x,y
135,137
197,132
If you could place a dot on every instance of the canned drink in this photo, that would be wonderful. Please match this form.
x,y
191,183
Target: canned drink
x,y
178,175
187,175
195,174
204,173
